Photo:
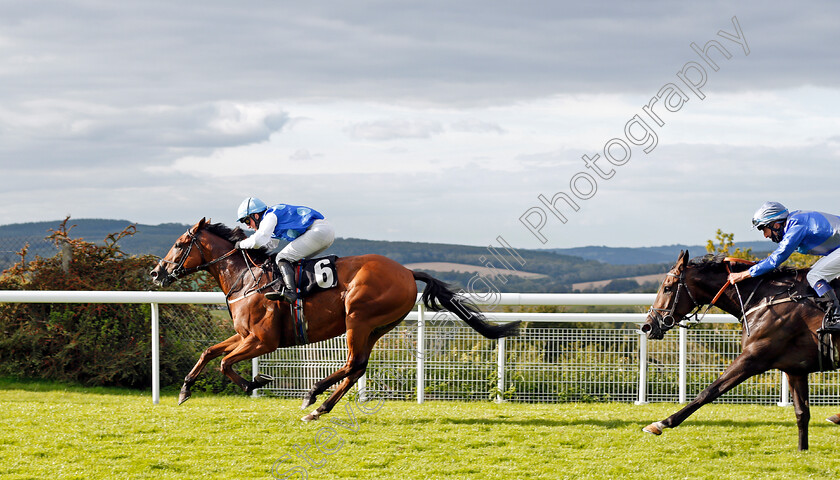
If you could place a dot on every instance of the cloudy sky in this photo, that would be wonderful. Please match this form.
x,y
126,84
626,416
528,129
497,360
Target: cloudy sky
x,y
435,121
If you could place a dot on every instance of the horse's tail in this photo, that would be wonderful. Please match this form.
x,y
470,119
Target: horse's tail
x,y
437,291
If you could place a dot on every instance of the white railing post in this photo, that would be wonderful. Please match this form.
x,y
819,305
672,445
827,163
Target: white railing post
x,y
255,370
361,387
500,371
683,359
643,362
155,354
421,352
784,401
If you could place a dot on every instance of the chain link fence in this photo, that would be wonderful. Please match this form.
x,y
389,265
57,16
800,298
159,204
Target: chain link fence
x,y
10,248
546,365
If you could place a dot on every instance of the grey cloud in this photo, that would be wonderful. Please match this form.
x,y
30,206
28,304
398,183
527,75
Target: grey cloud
x,y
92,93
157,52
56,131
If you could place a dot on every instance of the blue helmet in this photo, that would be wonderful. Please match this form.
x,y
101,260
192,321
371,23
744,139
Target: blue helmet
x,y
250,206
769,213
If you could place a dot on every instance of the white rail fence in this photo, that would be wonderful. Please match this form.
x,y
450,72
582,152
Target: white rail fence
x,y
433,356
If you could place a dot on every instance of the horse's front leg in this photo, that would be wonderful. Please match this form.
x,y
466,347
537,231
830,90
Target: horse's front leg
x,y
208,354
249,348
742,368
802,408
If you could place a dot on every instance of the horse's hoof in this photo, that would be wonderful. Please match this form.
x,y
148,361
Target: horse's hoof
x,y
306,404
835,419
312,416
654,428
261,380
184,396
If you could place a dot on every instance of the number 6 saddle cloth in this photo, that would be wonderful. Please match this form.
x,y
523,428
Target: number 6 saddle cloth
x,y
315,275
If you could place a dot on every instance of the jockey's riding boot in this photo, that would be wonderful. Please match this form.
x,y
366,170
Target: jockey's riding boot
x,y
831,323
289,291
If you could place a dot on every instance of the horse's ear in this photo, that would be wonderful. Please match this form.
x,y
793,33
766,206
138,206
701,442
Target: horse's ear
x,y
683,260
200,224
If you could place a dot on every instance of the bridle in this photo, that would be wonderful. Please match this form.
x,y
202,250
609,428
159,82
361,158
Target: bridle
x,y
179,271
668,320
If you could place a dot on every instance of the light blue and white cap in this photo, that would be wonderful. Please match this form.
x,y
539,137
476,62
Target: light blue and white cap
x,y
250,206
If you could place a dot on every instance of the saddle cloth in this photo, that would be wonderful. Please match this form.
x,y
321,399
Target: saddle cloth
x,y
316,274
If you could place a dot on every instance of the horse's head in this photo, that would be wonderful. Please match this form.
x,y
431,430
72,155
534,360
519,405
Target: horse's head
x,y
673,301
185,255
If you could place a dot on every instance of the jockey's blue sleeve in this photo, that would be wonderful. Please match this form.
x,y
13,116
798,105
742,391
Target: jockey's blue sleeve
x,y
795,232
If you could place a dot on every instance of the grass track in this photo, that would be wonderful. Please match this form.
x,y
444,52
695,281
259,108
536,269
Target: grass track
x,y
53,431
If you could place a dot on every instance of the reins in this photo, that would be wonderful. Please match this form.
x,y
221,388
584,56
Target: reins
x,y
729,261
665,325
241,279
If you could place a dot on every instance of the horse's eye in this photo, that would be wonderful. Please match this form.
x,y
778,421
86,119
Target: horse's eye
x,y
668,289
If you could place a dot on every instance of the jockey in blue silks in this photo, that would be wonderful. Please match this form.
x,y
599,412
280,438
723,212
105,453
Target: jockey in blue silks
x,y
305,229
814,233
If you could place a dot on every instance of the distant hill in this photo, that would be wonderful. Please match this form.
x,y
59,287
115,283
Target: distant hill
x,y
557,271
644,255
151,239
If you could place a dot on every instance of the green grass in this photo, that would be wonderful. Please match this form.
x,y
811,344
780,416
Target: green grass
x,y
61,431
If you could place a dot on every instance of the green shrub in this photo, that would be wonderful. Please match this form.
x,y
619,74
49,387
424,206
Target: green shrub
x,y
94,344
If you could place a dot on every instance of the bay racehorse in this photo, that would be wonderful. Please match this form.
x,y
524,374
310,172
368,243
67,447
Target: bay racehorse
x,y
779,331
373,294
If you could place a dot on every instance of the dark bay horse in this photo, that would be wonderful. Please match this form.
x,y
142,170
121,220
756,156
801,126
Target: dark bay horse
x,y
373,295
782,319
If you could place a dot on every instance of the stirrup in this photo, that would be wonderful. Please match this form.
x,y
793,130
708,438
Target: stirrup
x,y
830,323
830,328
283,295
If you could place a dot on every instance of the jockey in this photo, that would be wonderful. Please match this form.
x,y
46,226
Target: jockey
x,y
305,229
814,233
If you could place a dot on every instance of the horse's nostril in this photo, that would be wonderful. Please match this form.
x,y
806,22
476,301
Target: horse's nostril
x,y
646,328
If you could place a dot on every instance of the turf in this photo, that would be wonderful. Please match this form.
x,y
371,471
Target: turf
x,y
59,431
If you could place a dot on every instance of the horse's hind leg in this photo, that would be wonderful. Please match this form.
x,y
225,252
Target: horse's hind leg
x,y
339,392
209,354
799,388
359,345
742,368
321,386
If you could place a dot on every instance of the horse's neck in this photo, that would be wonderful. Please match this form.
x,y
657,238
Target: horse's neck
x,y
710,286
229,271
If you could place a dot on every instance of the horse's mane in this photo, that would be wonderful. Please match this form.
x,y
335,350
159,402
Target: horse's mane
x,y
234,235
716,262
